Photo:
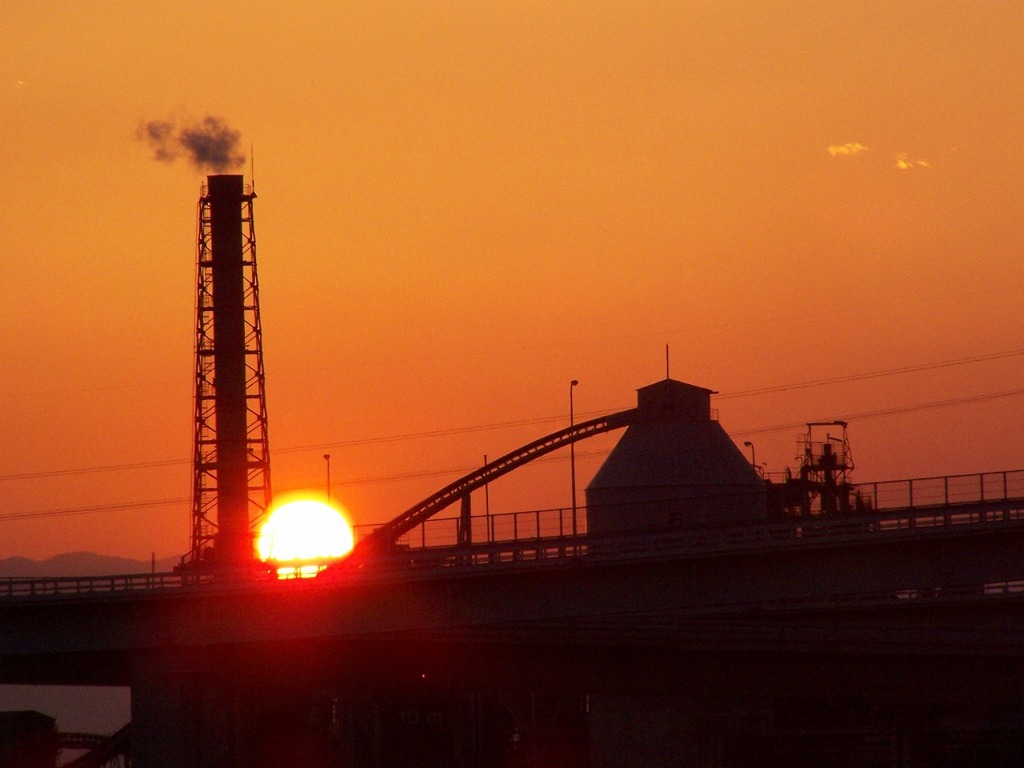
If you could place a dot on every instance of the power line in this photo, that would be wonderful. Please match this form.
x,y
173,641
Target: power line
x,y
871,375
289,449
758,430
891,411
460,470
67,511
421,435
554,419
93,470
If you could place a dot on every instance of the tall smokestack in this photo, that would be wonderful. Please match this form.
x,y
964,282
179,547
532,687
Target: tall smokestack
x,y
232,462
233,540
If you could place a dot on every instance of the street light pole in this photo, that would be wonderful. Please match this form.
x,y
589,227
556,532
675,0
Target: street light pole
x,y
572,457
753,460
487,507
327,458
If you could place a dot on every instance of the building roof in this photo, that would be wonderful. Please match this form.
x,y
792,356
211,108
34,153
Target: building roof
x,y
678,454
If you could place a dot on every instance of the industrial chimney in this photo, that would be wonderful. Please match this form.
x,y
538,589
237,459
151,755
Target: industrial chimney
x,y
231,467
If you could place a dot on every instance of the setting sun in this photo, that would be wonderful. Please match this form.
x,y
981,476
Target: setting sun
x,y
302,536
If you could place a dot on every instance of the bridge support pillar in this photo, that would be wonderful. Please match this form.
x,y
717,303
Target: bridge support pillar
x,y
646,732
185,715
466,522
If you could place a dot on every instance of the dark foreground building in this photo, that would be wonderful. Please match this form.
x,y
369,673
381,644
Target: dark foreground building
x,y
28,740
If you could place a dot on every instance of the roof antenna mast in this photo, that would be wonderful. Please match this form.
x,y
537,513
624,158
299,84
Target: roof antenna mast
x,y
666,363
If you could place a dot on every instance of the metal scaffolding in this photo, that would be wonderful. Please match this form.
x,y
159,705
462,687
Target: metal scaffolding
x,y
231,456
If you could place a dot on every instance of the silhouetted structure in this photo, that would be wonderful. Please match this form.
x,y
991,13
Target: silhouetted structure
x,y
101,751
28,740
822,485
707,619
673,467
231,463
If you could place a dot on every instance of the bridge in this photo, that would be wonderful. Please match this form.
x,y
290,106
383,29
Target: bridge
x,y
913,607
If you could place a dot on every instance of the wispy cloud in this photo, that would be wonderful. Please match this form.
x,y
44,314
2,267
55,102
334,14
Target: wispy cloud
x,y
905,162
846,150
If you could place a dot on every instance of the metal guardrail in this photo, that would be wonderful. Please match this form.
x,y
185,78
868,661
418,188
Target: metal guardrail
x,y
946,490
57,586
491,528
431,561
891,495
762,536
513,539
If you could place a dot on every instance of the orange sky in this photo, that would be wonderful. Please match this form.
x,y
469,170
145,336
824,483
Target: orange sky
x,y
463,206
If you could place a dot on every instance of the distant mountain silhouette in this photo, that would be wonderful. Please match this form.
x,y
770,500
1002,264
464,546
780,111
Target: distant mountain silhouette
x,y
81,564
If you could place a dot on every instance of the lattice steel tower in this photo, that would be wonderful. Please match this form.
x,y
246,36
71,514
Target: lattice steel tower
x,y
231,456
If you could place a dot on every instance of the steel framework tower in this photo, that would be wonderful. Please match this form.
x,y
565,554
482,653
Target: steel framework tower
x,y
231,456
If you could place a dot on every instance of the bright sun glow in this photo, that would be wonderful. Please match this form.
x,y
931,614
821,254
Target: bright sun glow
x,y
302,536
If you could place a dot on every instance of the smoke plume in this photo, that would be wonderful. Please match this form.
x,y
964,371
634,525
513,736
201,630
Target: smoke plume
x,y
209,145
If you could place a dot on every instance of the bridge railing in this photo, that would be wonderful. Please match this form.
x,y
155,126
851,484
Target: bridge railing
x,y
527,525
934,501
638,546
908,507
944,491
55,586
744,536
442,551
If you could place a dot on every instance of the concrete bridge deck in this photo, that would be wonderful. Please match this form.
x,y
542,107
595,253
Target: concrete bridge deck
x,y
916,607
895,573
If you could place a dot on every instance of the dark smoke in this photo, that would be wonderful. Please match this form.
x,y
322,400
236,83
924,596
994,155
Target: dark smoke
x,y
210,145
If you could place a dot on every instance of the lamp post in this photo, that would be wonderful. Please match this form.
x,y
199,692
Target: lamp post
x,y
327,458
753,461
572,457
487,507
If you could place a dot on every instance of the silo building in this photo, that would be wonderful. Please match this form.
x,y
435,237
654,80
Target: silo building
x,y
675,467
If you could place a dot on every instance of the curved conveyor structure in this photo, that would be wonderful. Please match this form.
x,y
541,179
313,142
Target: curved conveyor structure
x,y
383,538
